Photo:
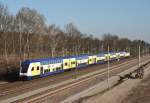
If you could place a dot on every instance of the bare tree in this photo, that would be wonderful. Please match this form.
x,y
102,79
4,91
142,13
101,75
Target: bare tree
x,y
75,37
5,21
54,38
32,23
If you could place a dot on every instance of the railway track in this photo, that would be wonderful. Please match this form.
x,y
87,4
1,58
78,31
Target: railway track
x,y
29,86
9,88
56,91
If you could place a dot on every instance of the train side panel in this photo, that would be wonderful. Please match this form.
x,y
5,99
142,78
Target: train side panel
x,y
66,63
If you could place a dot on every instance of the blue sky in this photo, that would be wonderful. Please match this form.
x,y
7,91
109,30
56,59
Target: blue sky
x,y
126,18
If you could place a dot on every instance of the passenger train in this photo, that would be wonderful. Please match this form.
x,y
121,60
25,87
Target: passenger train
x,y
44,67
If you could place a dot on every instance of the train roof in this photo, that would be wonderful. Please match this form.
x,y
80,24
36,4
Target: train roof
x,y
51,59
42,60
65,57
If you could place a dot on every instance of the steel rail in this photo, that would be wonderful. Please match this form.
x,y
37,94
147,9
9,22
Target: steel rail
x,y
71,85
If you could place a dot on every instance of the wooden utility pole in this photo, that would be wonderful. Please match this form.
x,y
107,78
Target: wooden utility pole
x,y
108,69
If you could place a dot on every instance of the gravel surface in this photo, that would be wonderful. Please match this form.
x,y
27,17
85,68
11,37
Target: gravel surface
x,y
130,91
141,93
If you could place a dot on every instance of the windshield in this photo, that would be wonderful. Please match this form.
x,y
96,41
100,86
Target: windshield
x,y
24,68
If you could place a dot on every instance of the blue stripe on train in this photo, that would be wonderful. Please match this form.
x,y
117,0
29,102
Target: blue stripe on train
x,y
100,62
51,73
43,75
82,65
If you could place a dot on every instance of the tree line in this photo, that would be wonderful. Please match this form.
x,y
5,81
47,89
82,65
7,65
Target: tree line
x,y
26,35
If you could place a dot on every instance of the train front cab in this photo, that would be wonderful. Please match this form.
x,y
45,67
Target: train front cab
x,y
24,70
29,70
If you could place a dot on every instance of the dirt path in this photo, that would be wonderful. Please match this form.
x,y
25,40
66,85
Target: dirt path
x,y
131,91
140,94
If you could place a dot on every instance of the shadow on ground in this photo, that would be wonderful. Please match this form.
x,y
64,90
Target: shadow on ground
x,y
11,75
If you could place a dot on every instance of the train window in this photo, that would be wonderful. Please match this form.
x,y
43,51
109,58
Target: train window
x,y
32,69
24,68
38,68
66,64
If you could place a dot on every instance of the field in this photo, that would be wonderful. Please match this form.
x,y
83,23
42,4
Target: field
x,y
130,91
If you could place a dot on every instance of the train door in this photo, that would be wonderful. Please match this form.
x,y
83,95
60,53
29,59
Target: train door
x,y
41,70
94,59
90,60
72,63
66,64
